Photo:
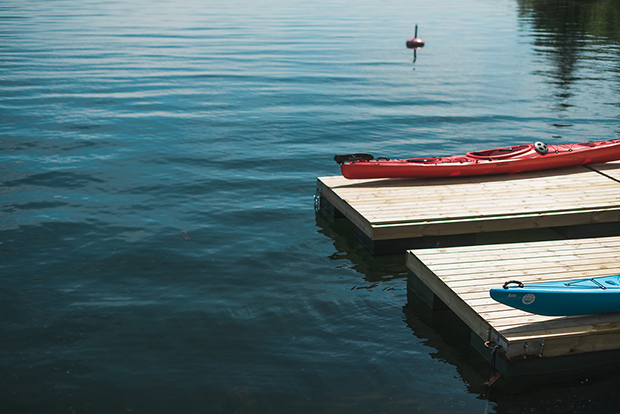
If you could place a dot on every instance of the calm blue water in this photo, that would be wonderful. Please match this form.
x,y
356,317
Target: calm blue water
x,y
159,251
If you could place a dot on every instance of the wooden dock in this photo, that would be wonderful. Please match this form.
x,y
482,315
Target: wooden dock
x,y
560,224
392,215
460,277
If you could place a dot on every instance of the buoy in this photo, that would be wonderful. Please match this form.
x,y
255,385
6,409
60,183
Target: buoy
x,y
415,42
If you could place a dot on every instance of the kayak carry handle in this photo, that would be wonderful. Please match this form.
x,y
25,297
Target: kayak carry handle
x,y
512,281
341,159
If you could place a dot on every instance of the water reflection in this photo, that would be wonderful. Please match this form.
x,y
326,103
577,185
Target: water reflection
x,y
350,253
576,38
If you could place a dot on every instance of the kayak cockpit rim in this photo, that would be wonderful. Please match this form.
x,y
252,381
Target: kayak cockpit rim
x,y
499,153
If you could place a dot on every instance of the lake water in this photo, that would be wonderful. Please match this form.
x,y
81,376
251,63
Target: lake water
x,y
159,250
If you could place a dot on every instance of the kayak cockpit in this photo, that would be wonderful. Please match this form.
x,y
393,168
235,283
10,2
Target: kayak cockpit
x,y
499,153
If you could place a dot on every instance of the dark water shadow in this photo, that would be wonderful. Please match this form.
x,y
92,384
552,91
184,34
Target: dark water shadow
x,y
349,250
428,326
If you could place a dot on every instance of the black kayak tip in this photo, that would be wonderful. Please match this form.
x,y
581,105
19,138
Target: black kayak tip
x,y
341,159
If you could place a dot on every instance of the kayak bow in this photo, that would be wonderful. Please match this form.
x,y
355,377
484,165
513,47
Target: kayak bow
x,y
564,298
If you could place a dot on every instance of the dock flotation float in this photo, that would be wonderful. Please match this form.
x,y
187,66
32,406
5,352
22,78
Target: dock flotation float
x,y
507,160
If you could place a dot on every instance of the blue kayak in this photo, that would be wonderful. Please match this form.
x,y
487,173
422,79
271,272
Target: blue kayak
x,y
565,298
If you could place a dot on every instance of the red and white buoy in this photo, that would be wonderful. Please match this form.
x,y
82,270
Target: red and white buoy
x,y
415,42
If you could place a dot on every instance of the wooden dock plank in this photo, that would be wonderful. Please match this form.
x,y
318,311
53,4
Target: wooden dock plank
x,y
609,169
389,209
462,276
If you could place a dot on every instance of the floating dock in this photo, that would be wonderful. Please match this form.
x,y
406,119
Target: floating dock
x,y
392,215
555,225
460,278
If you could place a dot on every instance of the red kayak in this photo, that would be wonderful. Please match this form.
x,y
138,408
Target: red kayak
x,y
508,160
